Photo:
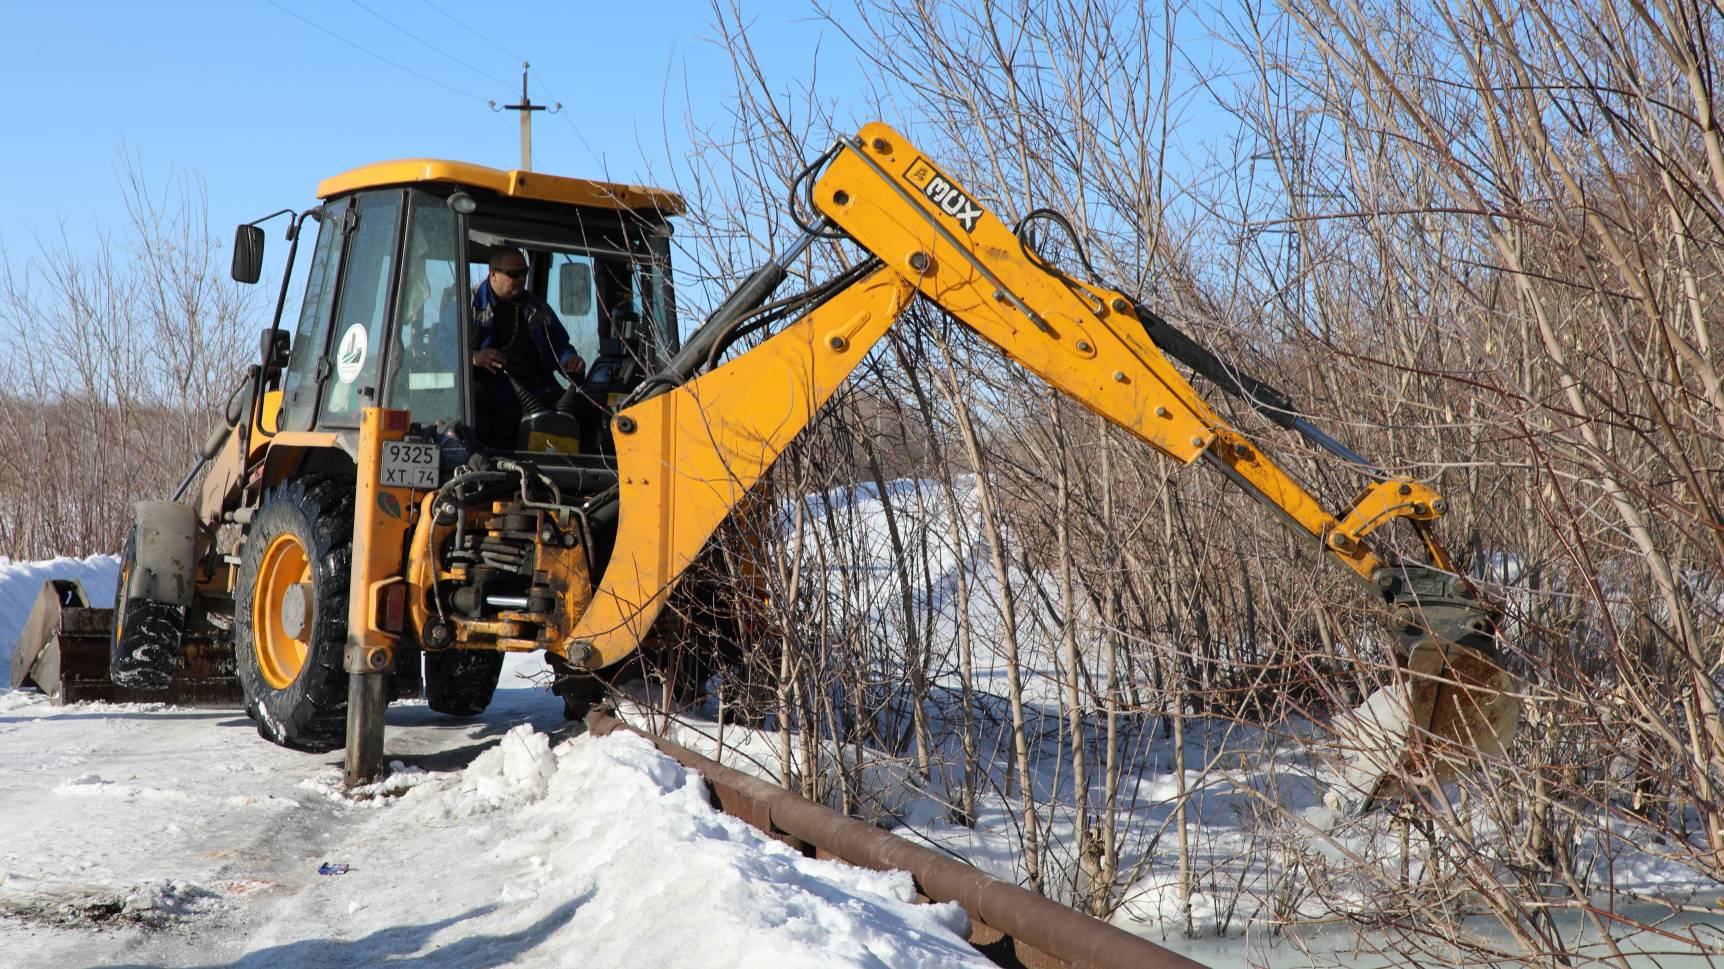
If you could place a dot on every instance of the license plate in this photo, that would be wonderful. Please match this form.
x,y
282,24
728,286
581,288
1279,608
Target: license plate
x,y
409,465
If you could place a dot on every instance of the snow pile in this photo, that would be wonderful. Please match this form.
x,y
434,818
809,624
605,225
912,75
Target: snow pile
x,y
518,769
21,583
600,852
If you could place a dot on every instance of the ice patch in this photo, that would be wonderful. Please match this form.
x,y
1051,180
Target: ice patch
x,y
92,785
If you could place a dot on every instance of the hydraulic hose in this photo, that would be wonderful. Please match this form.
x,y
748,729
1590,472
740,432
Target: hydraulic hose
x,y
1268,401
751,295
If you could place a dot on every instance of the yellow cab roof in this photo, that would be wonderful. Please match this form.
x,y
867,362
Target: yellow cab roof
x,y
536,186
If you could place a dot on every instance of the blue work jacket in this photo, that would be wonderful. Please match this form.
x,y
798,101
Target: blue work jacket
x,y
548,334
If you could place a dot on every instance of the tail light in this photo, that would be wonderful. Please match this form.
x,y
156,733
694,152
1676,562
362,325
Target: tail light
x,y
392,607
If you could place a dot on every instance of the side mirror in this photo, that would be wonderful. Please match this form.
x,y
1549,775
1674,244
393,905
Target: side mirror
x,y
575,289
247,254
274,352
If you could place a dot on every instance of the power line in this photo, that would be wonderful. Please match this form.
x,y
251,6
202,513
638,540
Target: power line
x,y
472,30
371,53
428,45
543,87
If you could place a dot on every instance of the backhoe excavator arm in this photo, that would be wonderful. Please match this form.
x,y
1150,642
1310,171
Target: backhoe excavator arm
x,y
701,436
1093,343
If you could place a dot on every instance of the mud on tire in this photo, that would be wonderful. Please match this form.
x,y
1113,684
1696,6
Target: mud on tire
x,y
145,644
303,704
460,682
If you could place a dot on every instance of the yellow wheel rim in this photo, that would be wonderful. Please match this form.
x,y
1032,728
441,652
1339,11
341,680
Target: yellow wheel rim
x,y
280,655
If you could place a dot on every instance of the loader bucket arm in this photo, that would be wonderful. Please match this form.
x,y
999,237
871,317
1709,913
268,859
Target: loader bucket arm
x,y
687,456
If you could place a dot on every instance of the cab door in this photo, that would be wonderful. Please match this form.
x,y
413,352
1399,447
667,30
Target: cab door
x,y
306,363
336,361
426,368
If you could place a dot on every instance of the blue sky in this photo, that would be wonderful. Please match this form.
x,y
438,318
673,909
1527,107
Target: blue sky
x,y
262,103
261,99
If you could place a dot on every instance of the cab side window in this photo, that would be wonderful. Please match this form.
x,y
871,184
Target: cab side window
x,y
361,312
572,296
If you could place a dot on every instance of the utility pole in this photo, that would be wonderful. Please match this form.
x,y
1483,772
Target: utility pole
x,y
526,107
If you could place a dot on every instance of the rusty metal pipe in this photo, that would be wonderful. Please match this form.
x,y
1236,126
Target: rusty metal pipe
x,y
1063,933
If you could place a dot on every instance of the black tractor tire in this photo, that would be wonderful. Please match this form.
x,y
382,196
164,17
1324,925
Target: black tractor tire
x,y
144,647
309,710
460,682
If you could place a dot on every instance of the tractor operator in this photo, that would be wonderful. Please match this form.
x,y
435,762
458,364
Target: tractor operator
x,y
515,334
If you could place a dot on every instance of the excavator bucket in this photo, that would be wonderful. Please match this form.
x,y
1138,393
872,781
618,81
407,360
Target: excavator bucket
x,y
63,652
1451,706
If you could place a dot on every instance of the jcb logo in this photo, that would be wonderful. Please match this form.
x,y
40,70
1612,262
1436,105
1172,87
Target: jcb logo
x,y
946,196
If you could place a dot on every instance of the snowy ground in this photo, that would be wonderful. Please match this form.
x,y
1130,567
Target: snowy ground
x,y
145,835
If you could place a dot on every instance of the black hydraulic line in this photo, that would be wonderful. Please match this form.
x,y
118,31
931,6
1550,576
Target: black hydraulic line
x,y
721,326
820,227
802,302
1267,400
753,293
1342,451
1059,219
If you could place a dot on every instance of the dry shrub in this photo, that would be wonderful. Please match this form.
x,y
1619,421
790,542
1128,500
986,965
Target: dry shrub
x,y
1481,245
117,362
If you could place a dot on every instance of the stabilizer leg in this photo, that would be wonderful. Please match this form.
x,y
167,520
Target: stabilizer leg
x,y
366,703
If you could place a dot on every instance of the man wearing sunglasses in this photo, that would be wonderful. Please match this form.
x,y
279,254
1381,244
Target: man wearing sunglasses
x,y
515,334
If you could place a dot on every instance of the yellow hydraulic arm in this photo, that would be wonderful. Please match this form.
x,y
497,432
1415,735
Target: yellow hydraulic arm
x,y
688,454
701,435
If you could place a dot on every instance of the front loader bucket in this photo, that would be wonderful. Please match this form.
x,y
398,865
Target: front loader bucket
x,y
63,652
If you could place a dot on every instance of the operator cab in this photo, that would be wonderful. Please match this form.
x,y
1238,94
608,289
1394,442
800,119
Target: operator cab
x,y
387,313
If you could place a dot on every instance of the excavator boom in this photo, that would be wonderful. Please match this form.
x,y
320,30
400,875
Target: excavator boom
x,y
703,434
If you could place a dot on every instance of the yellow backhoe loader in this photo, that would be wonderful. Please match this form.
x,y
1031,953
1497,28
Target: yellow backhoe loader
x,y
365,504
